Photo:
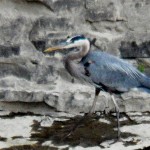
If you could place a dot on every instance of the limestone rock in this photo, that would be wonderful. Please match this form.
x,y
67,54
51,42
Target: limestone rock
x,y
27,75
134,50
137,99
102,10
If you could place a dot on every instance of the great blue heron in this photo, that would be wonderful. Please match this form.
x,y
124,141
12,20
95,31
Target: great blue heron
x,y
106,72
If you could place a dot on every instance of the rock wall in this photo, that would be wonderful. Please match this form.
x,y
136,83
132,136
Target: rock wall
x,y
27,27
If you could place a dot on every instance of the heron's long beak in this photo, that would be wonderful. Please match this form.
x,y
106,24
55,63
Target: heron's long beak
x,y
53,49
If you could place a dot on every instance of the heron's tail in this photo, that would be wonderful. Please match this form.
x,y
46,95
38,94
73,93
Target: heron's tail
x,y
145,81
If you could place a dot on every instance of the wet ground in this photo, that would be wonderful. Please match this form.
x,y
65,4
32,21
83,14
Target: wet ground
x,y
78,132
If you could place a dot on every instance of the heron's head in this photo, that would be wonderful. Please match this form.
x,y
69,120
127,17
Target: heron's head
x,y
76,41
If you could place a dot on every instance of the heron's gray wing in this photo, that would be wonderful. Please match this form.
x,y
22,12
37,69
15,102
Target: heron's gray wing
x,y
111,71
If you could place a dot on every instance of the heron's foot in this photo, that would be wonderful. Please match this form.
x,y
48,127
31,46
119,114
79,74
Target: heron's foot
x,y
118,140
67,135
77,124
88,117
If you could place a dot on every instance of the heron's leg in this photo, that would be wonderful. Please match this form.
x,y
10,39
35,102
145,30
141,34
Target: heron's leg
x,y
97,91
118,113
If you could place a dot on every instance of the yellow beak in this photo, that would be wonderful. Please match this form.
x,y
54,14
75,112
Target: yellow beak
x,y
53,49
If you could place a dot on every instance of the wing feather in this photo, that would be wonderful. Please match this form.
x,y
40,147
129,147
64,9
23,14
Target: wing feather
x,y
111,71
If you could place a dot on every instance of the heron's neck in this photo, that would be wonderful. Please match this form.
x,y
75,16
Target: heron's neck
x,y
79,54
69,60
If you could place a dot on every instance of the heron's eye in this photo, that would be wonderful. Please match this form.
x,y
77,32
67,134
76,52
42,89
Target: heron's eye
x,y
73,41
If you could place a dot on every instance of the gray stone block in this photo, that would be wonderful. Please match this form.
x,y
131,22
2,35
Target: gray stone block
x,y
28,75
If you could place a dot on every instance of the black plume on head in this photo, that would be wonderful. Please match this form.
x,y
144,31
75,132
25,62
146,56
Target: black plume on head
x,y
78,37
